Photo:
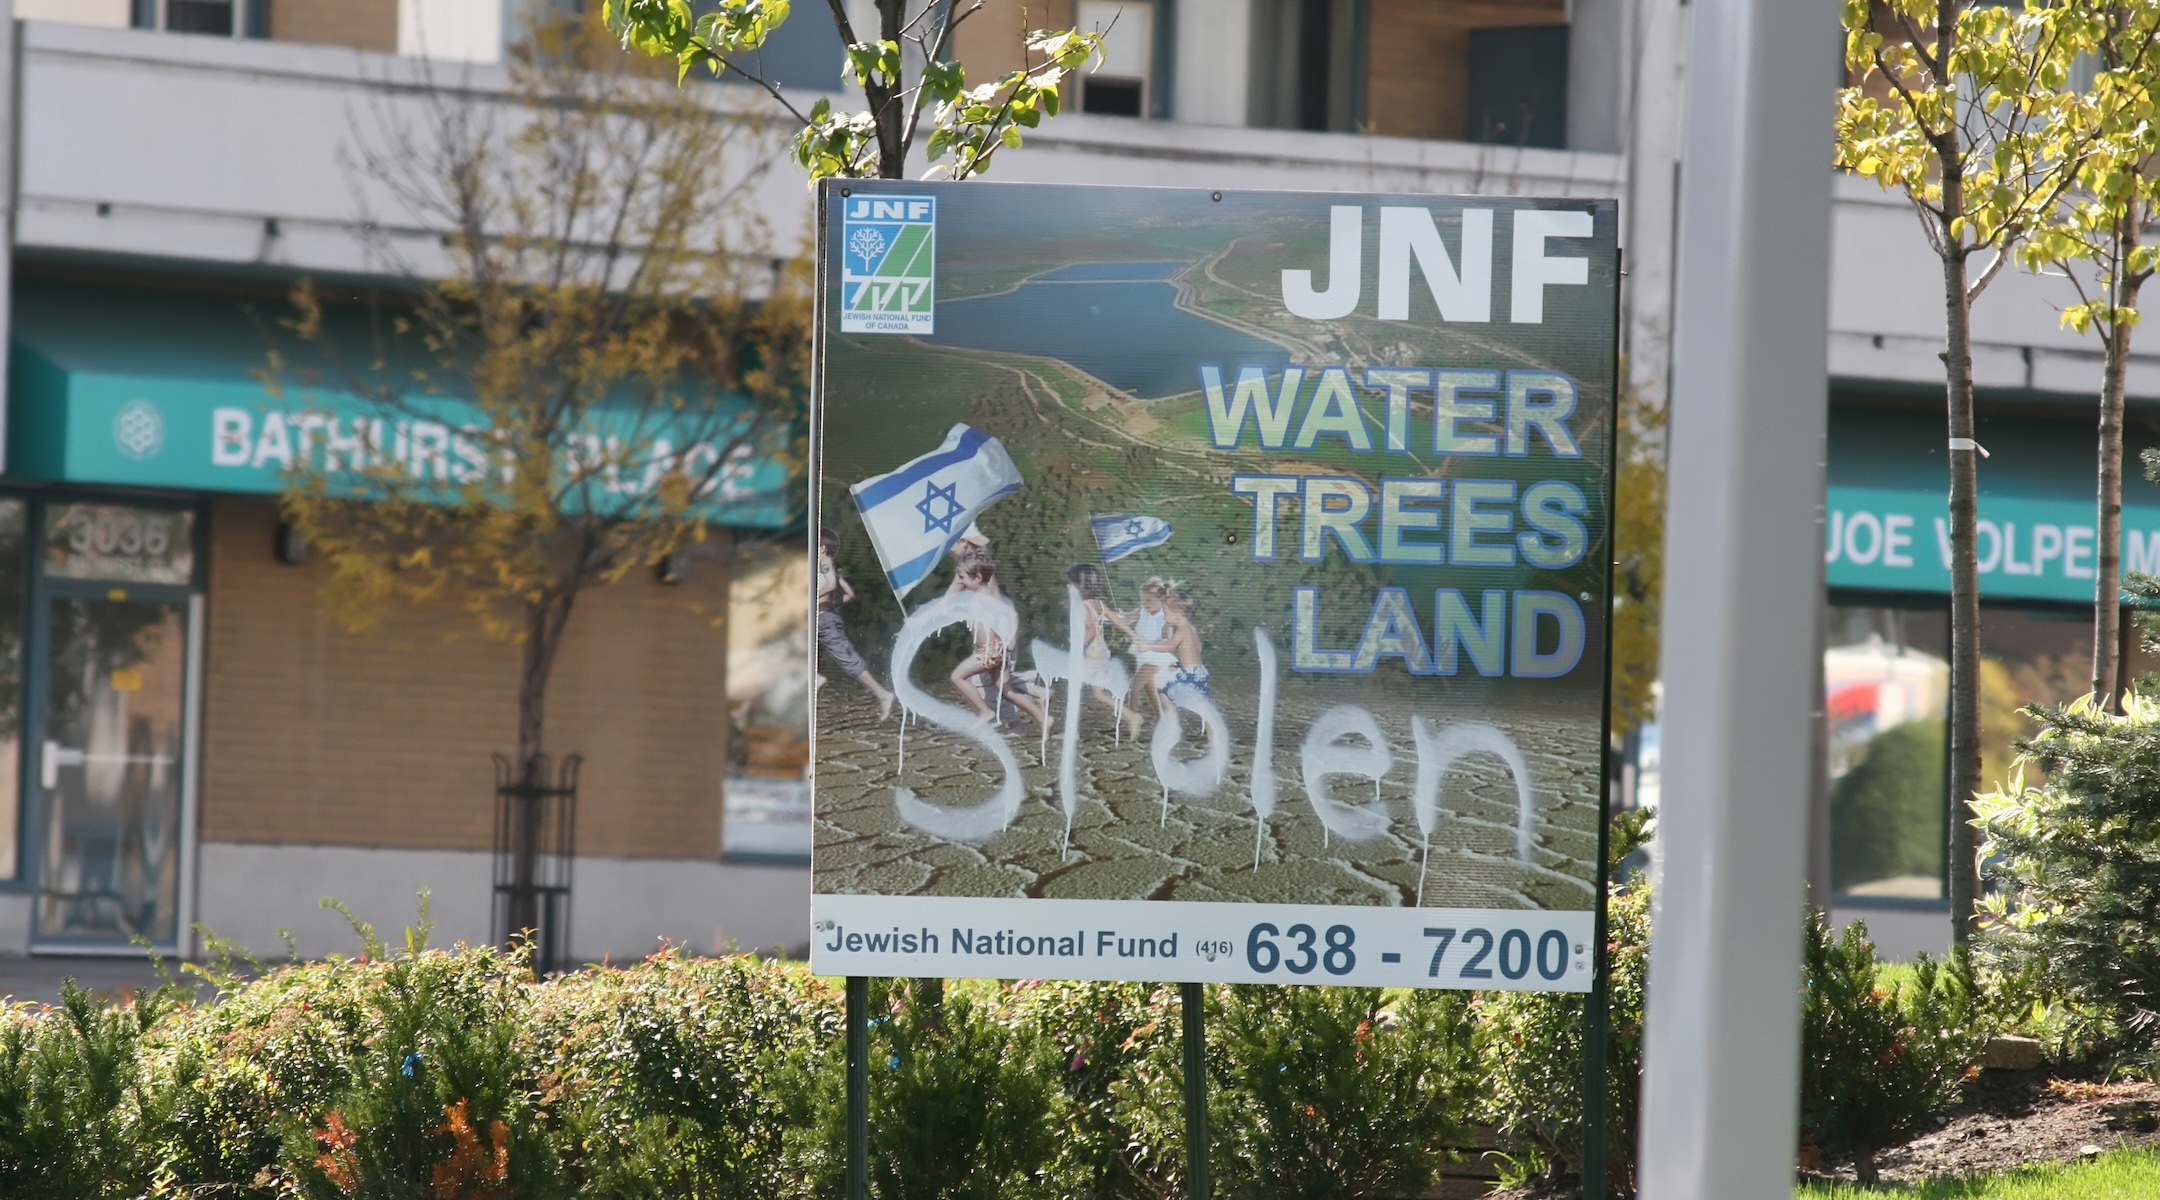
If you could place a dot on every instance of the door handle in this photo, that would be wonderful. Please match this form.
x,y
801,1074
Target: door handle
x,y
55,757
58,756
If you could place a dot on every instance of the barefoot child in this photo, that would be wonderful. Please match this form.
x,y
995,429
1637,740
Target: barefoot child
x,y
1087,579
1181,639
992,653
832,592
1150,660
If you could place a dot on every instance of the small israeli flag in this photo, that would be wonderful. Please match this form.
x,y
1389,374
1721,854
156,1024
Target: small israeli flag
x,y
1120,534
915,514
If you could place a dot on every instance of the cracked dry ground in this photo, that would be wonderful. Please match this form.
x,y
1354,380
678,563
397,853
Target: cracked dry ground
x,y
1124,845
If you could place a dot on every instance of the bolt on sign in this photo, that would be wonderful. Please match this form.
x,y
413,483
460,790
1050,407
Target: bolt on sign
x,y
1210,586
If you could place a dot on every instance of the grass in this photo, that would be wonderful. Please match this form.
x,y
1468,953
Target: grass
x,y
2123,1175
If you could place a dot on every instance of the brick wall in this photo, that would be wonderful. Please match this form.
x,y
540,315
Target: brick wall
x,y
361,24
313,734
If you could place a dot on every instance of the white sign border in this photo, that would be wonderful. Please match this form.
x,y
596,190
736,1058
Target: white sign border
x,y
962,937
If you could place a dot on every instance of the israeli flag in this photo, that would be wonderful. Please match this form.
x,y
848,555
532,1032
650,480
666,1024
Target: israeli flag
x,y
916,513
1120,534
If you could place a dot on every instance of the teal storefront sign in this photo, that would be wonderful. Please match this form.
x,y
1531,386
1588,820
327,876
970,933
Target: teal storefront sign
x,y
163,398
1886,521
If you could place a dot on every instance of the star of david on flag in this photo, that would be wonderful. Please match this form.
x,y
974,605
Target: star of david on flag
x,y
1120,534
934,497
917,511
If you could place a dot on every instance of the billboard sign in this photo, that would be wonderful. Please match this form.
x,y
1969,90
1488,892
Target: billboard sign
x,y
1212,586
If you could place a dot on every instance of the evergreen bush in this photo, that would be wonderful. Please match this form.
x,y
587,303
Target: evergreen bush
x,y
964,1105
1314,1092
454,1075
2074,919
70,1079
684,1076
1111,1041
439,1089
1531,1045
1877,1063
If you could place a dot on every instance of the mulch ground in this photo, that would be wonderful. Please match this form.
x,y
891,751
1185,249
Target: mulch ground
x,y
2012,1119
2007,1120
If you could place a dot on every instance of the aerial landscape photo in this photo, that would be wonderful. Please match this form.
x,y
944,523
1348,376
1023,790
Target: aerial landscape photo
x,y
1079,331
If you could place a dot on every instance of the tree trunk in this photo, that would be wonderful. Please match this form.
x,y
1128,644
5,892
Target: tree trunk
x,y
1964,867
888,105
544,623
2107,575
1864,1169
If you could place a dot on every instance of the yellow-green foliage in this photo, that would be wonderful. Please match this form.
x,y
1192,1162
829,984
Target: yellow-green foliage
x,y
1113,1047
1962,119
968,125
2111,130
1638,554
596,324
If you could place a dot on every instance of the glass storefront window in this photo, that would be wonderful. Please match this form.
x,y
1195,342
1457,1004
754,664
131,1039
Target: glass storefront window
x,y
767,811
2028,656
1887,680
14,526
110,769
1887,677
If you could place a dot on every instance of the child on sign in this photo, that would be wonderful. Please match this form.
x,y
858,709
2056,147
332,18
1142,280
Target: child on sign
x,y
993,654
971,546
832,592
1151,661
1181,640
1087,579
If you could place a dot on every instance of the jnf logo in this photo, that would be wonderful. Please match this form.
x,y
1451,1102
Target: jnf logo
x,y
888,264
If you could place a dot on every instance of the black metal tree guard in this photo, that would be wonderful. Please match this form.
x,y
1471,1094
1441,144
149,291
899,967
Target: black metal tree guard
x,y
535,843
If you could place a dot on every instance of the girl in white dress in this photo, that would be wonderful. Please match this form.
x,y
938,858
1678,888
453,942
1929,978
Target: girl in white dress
x,y
1150,665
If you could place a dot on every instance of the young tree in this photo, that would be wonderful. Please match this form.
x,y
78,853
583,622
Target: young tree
x,y
588,390
913,38
2111,127
1951,102
1638,555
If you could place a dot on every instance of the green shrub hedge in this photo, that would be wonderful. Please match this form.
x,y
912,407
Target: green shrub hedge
x,y
453,1075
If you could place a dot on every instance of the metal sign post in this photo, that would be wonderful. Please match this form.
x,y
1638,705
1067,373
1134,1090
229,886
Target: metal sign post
x,y
858,1087
1199,1184
1742,563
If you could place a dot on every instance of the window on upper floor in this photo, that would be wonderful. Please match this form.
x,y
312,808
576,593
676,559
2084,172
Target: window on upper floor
x,y
1123,85
1472,72
804,55
1308,64
219,18
360,24
1518,77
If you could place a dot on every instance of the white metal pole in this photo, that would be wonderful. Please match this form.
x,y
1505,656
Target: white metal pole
x,y
1721,1066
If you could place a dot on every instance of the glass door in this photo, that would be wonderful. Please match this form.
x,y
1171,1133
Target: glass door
x,y
110,768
